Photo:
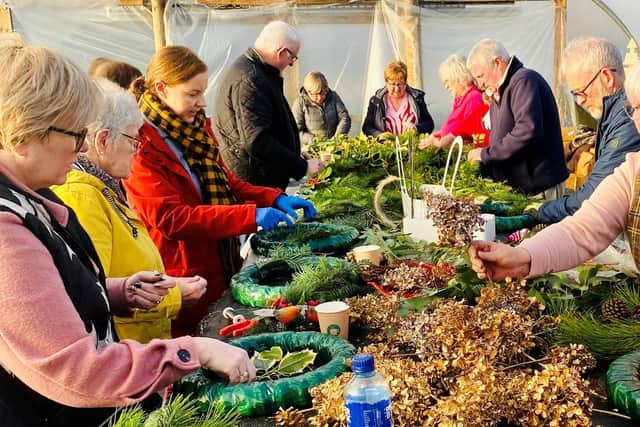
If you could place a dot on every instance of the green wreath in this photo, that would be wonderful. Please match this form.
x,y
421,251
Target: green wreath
x,y
623,383
265,397
259,286
321,238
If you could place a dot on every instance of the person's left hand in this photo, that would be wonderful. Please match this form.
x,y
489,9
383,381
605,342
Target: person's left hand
x,y
475,155
429,140
289,204
305,155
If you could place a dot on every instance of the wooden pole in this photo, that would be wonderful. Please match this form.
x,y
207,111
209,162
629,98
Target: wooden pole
x,y
410,42
559,41
157,12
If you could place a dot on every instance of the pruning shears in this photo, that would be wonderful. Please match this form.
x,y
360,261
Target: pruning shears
x,y
240,324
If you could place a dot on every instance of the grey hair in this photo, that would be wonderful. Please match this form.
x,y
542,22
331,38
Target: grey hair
x,y
119,110
591,54
276,35
315,82
632,84
485,51
454,68
40,88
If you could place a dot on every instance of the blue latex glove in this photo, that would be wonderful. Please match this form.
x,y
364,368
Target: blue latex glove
x,y
289,204
269,218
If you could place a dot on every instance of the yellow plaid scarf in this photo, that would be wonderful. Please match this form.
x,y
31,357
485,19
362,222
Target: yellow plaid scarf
x,y
202,155
198,147
633,223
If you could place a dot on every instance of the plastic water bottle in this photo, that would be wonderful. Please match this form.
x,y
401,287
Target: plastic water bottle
x,y
367,396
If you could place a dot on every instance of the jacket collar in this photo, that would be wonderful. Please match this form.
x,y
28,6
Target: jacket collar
x,y
613,102
255,57
514,65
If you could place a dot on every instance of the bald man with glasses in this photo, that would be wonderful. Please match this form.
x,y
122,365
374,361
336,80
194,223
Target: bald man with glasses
x,y
594,73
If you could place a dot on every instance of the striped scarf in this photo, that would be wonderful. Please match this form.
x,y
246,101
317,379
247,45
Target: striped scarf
x,y
201,153
198,146
633,223
398,122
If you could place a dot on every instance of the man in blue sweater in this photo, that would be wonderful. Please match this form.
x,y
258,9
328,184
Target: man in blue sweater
x,y
594,72
525,146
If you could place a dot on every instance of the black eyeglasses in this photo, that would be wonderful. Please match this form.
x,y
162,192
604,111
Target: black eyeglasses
x,y
293,57
583,93
79,136
136,141
630,110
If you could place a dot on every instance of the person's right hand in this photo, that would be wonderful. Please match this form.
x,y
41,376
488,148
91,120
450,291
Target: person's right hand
x,y
314,166
192,289
429,140
226,360
146,289
269,218
495,261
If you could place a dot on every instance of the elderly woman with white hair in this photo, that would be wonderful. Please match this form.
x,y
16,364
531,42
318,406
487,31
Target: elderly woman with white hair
x,y
61,362
319,111
613,208
465,119
123,243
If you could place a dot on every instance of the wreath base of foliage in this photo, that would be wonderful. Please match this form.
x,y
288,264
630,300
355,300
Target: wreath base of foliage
x,y
341,238
265,397
623,384
249,288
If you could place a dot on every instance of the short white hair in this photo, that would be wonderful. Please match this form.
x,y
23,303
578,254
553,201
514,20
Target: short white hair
x,y
591,54
119,110
276,35
454,68
632,84
485,51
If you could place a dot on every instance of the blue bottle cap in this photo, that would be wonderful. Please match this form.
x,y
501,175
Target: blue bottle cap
x,y
362,363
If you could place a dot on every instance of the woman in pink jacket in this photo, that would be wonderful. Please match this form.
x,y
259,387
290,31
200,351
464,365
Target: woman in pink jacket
x,y
613,208
60,360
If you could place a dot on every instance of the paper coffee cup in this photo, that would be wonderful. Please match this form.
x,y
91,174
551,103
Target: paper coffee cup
x,y
369,253
333,317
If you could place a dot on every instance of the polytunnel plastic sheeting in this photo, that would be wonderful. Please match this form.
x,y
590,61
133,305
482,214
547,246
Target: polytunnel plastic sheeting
x,y
334,41
351,44
84,30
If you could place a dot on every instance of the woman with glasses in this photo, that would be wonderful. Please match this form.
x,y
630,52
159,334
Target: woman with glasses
x,y
61,362
613,208
465,119
319,111
397,107
123,243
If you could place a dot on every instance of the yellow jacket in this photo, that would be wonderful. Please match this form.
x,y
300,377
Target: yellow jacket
x,y
120,252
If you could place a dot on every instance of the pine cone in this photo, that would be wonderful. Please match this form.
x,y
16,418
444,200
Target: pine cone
x,y
351,257
613,308
290,417
539,227
635,315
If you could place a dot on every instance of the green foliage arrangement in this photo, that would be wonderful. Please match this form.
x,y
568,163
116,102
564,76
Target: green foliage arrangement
x,y
181,411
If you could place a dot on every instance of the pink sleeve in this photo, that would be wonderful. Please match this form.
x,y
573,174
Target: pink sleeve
x,y
591,229
44,343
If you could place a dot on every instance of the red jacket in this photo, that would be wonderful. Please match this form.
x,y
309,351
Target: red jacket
x,y
465,119
185,230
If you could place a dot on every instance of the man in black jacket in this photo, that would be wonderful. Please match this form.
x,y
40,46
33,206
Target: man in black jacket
x,y
256,130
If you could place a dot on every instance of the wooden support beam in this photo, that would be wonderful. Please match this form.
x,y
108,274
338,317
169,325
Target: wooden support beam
x,y
6,19
131,3
157,13
410,43
559,41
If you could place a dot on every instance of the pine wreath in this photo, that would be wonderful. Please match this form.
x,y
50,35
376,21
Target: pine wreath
x,y
321,238
265,397
623,384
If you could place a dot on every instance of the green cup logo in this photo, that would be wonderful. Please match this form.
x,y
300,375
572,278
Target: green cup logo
x,y
333,329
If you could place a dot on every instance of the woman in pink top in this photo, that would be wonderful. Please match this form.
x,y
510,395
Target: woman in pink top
x,y
60,360
613,208
465,119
